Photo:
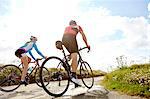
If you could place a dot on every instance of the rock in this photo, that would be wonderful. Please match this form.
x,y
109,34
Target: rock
x,y
97,90
75,91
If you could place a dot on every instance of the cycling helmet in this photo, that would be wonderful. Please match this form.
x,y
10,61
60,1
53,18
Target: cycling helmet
x,y
72,22
33,38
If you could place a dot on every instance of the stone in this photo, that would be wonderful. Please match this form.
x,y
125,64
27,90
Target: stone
x,y
97,90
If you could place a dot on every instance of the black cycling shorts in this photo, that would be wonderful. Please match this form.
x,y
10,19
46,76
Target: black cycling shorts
x,y
70,42
19,52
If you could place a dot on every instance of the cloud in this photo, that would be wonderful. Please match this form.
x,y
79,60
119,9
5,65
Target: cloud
x,y
47,20
99,25
135,30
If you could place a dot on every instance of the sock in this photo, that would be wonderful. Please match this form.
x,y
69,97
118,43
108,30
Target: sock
x,y
74,74
22,80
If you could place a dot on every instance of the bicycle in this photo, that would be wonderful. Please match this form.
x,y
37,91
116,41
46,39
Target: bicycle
x,y
10,76
62,66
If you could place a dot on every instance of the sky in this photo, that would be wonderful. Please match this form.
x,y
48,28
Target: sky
x,y
113,28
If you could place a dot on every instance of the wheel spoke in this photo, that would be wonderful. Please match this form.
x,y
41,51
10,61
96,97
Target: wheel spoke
x,y
9,75
45,77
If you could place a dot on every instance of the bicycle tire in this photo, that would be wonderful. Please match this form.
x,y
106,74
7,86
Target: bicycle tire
x,y
86,74
10,77
49,89
37,76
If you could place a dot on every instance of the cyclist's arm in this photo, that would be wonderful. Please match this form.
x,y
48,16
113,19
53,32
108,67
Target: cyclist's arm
x,y
83,36
37,50
31,54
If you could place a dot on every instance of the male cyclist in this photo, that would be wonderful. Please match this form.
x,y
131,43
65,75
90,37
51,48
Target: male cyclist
x,y
21,53
70,42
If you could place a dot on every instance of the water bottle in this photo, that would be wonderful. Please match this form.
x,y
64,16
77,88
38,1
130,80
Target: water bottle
x,y
30,70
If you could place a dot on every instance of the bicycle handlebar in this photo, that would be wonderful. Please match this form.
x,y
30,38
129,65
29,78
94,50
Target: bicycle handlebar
x,y
84,48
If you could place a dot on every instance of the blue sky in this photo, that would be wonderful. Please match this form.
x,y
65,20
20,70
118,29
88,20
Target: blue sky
x,y
112,27
4,6
128,8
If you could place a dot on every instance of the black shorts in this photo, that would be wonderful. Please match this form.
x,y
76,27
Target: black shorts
x,y
70,42
19,52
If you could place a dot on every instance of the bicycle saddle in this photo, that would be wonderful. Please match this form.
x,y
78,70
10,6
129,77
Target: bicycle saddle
x,y
59,45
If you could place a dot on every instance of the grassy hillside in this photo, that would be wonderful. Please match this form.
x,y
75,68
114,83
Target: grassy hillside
x,y
133,80
52,71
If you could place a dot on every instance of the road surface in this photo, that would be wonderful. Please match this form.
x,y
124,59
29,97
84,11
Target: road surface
x,y
32,91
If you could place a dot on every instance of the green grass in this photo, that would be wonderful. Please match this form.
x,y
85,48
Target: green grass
x,y
133,80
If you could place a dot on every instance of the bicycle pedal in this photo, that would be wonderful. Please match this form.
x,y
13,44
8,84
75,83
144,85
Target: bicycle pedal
x,y
77,85
13,81
24,82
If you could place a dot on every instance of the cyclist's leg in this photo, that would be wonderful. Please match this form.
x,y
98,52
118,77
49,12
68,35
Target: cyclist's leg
x,y
74,62
71,45
73,51
24,60
20,53
74,66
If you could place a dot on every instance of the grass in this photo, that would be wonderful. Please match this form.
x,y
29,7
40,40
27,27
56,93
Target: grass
x,y
133,80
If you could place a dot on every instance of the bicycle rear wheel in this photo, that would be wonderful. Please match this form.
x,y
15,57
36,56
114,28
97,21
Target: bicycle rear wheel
x,y
10,76
86,74
59,76
45,76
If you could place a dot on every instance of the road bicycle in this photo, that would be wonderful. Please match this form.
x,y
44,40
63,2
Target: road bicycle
x,y
10,75
61,67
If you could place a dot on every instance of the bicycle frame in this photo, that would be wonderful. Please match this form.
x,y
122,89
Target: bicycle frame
x,y
14,73
66,60
34,68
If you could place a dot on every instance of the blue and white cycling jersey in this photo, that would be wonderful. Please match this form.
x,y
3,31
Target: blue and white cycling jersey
x,y
28,47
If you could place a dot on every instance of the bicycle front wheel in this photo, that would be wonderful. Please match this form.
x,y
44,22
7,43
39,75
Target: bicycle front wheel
x,y
59,76
45,76
86,74
10,76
